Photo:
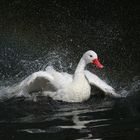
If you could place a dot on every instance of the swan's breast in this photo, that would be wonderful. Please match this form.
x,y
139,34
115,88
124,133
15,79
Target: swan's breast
x,y
80,90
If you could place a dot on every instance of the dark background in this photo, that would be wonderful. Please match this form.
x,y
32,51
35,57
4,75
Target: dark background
x,y
29,29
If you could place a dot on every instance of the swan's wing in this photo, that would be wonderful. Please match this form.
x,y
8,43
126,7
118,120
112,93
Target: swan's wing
x,y
38,81
96,81
61,79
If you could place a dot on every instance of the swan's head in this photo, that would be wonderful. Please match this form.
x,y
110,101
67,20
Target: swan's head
x,y
91,57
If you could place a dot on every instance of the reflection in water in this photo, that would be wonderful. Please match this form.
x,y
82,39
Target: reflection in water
x,y
93,119
82,124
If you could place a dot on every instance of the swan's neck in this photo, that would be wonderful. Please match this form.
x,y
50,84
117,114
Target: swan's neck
x,y
80,68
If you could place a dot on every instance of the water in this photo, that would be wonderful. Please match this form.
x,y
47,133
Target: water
x,y
37,34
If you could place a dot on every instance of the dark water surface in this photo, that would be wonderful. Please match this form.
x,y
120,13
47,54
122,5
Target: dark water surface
x,y
35,34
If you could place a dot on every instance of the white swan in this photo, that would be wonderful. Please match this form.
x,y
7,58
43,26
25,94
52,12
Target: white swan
x,y
66,87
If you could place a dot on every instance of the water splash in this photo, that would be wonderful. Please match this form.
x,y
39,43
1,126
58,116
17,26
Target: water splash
x,y
132,88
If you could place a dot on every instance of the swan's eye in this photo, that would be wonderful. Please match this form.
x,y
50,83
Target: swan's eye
x,y
90,55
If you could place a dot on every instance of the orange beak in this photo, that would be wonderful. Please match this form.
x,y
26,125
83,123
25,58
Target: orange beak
x,y
97,63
